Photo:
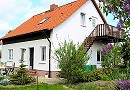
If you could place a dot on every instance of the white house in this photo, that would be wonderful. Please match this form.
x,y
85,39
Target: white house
x,y
0,49
80,21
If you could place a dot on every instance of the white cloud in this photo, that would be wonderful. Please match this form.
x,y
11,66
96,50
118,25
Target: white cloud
x,y
15,12
4,28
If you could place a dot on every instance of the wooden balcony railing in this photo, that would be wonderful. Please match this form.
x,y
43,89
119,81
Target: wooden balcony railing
x,y
102,30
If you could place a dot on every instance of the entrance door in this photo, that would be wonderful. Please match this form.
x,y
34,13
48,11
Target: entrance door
x,y
31,58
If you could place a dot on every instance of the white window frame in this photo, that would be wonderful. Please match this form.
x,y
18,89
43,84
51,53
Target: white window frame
x,y
43,54
22,50
10,54
83,19
94,21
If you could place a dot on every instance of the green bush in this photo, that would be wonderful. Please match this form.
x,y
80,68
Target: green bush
x,y
72,60
98,74
21,77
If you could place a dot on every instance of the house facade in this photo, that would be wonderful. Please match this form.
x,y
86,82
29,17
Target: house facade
x,y
0,49
80,21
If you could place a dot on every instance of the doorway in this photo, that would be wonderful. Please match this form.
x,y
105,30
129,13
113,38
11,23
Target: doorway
x,y
31,58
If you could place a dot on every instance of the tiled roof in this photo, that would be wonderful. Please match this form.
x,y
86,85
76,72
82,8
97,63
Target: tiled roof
x,y
50,19
55,18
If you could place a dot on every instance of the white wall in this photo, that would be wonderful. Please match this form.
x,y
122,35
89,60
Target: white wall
x,y
37,44
93,53
0,50
71,29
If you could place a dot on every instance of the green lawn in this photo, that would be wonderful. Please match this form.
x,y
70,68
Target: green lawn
x,y
98,85
34,87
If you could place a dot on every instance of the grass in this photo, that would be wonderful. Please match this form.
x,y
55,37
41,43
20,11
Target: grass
x,y
98,85
41,86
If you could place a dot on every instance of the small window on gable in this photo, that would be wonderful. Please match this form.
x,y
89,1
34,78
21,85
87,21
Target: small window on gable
x,y
43,53
94,19
10,54
44,20
93,22
83,20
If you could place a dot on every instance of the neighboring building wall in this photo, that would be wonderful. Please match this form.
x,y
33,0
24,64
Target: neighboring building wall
x,y
71,29
37,44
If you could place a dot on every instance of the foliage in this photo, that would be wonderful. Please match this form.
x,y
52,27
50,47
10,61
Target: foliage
x,y
20,77
111,58
72,59
125,52
123,85
120,9
98,85
99,74
119,74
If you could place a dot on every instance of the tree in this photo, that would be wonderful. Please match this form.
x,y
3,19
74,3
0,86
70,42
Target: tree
x,y
21,77
120,9
72,60
111,56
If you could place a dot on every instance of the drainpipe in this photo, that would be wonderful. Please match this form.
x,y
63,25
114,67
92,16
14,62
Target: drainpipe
x,y
49,76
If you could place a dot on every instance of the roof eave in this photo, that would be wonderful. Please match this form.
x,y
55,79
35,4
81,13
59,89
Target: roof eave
x,y
99,11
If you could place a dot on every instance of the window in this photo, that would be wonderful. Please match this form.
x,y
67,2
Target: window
x,y
94,19
43,58
22,53
10,54
83,23
93,22
44,20
98,56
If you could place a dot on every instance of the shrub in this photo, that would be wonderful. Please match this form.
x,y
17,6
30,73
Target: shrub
x,y
123,85
21,77
72,59
98,74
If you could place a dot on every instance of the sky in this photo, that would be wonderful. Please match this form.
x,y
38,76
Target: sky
x,y
15,12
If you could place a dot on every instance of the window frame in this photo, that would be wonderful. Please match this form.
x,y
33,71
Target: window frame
x,y
83,19
10,54
43,54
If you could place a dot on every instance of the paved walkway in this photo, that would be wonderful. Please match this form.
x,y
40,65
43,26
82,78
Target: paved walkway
x,y
50,80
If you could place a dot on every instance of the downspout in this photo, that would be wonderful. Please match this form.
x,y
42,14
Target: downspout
x,y
49,76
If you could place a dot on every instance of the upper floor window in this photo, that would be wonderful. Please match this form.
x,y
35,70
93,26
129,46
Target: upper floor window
x,y
10,52
94,19
83,20
93,22
43,53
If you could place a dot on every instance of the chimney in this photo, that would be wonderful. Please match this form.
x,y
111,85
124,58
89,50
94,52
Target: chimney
x,y
53,7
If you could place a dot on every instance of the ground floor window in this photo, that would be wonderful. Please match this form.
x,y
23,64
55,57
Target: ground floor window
x,y
43,53
10,54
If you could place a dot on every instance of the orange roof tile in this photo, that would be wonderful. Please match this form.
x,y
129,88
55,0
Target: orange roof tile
x,y
54,18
